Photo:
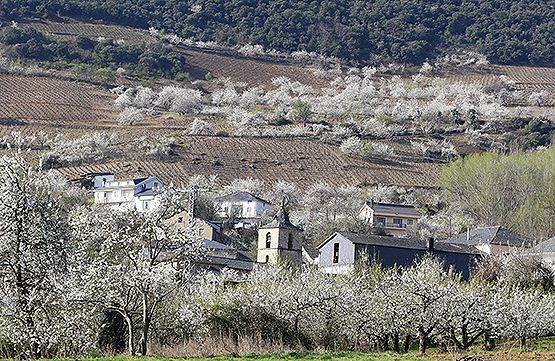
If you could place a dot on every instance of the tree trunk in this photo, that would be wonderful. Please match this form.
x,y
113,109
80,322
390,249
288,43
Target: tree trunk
x,y
24,305
146,326
465,343
406,345
422,342
34,344
489,342
522,343
130,334
396,346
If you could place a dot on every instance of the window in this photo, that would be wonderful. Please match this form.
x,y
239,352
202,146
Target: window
x,y
336,253
268,240
290,241
410,222
380,221
398,222
145,206
180,219
267,259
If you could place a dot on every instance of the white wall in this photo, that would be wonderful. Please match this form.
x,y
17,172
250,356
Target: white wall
x,y
346,254
251,209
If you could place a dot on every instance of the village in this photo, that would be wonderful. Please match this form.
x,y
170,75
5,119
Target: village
x,y
390,244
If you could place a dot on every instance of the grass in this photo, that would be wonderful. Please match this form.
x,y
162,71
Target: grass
x,y
344,356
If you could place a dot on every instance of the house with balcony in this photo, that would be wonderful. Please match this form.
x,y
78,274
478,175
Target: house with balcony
x,y
138,193
395,219
244,207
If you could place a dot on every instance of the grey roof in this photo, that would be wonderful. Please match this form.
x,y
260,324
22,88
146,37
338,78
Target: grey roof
x,y
281,220
544,247
390,208
490,235
242,265
240,197
311,250
406,243
210,244
149,192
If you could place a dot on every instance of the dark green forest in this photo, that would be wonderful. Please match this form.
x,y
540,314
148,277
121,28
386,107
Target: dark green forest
x,y
506,31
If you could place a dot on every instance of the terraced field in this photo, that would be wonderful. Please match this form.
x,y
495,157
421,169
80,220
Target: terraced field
x,y
299,161
54,102
254,72
526,78
72,29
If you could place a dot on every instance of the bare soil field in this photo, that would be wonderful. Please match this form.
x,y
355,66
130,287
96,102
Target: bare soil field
x,y
254,72
300,161
527,79
54,102
70,29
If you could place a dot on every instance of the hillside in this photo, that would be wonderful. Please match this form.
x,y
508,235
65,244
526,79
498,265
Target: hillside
x,y
507,32
416,120
46,101
302,162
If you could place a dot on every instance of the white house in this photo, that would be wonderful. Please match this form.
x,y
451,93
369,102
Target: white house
x,y
139,193
395,219
244,206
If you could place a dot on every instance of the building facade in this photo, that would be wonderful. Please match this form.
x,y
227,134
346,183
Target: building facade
x,y
279,241
491,240
138,193
340,252
244,207
395,219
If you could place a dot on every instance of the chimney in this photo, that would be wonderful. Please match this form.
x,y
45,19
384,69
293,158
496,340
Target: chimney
x,y
430,244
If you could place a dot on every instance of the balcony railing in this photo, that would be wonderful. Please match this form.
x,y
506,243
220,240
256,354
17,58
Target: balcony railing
x,y
391,225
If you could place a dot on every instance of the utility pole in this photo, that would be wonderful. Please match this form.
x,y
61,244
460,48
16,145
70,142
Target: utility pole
x,y
192,195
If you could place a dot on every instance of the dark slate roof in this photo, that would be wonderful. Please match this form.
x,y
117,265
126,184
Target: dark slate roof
x,y
311,250
406,243
210,244
281,220
544,247
390,208
138,180
490,235
240,197
242,265
149,192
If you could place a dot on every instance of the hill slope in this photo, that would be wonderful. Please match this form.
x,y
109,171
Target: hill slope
x,y
506,31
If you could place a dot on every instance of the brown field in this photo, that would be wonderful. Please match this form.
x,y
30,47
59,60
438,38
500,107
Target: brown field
x,y
30,104
257,72
54,102
300,161
527,79
71,29
254,72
